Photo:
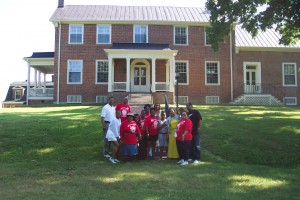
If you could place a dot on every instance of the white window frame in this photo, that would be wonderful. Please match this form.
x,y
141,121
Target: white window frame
x,y
219,74
134,32
283,75
290,104
205,38
68,71
187,35
209,98
20,94
181,101
103,25
82,34
77,98
96,74
187,71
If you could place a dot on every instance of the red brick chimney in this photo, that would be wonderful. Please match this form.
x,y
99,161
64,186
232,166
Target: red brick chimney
x,y
60,3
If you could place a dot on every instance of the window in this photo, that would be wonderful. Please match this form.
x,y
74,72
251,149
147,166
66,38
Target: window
x,y
289,74
180,35
103,34
75,34
206,39
102,71
212,73
140,34
182,68
74,99
75,71
17,95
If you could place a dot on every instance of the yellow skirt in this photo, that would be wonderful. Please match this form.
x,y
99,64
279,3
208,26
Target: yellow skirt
x,y
172,147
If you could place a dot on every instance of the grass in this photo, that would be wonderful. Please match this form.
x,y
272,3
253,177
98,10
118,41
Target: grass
x,y
55,153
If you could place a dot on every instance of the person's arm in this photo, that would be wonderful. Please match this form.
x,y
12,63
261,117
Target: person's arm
x,y
103,123
184,134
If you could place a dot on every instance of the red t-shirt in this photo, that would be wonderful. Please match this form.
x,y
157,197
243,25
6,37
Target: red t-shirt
x,y
183,125
142,127
129,132
152,124
124,108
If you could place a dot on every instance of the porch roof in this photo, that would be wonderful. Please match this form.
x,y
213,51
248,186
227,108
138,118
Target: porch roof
x,y
140,46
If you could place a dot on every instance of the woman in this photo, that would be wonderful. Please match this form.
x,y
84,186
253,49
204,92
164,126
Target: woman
x,y
172,122
184,138
129,132
143,141
151,126
113,135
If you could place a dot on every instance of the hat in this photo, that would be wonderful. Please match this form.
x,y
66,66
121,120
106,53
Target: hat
x,y
130,114
189,104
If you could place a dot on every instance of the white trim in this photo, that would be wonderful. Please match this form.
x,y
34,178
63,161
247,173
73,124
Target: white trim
x,y
219,74
212,99
187,35
58,63
101,98
290,104
140,25
110,33
82,34
205,38
96,72
81,72
275,49
187,70
295,68
74,98
184,98
258,70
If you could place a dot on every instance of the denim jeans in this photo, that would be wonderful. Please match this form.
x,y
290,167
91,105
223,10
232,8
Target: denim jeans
x,y
195,151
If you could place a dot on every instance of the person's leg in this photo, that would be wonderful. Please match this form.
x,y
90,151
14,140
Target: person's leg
x,y
186,149
105,143
153,146
115,150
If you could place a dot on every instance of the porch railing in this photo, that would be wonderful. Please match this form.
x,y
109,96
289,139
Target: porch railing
x,y
119,86
162,86
41,92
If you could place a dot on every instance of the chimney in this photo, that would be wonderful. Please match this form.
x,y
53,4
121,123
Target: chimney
x,y
60,3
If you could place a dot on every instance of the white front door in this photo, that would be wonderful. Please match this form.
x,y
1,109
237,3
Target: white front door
x,y
140,78
252,79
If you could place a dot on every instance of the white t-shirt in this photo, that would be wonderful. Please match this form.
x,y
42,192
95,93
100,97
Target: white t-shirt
x,y
113,131
108,112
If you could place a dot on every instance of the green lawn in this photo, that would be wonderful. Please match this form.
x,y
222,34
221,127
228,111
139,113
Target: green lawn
x,y
55,153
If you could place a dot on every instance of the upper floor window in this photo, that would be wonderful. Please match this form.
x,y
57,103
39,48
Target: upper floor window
x,y
103,34
180,35
206,39
18,94
140,34
75,34
289,74
212,73
182,69
102,71
74,71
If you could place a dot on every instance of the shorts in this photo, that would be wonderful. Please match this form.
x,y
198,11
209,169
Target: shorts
x,y
152,138
130,150
162,140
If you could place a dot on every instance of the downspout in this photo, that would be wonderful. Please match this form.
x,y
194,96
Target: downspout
x,y
231,76
58,61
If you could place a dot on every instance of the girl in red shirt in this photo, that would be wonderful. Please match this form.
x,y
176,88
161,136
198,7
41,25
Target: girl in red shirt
x,y
151,126
184,138
129,132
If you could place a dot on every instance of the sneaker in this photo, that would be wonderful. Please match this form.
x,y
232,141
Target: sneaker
x,y
112,161
184,163
180,161
190,160
106,155
116,160
196,161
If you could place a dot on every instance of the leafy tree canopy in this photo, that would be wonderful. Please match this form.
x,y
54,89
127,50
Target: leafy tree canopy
x,y
283,15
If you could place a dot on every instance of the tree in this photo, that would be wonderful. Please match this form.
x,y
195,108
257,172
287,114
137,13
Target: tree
x,y
283,15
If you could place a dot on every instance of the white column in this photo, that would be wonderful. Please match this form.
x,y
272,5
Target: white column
x,y
109,74
172,74
28,84
153,75
127,74
168,73
44,90
35,78
39,79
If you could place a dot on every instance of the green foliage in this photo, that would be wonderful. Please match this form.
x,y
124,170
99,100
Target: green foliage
x,y
256,15
55,153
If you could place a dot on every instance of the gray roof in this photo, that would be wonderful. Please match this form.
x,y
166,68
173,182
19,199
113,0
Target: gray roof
x,y
140,46
269,38
109,13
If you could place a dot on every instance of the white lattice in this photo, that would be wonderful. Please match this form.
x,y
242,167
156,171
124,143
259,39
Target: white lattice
x,y
257,100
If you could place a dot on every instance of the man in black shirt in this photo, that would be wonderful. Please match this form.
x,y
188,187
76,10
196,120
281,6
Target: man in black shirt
x,y
196,119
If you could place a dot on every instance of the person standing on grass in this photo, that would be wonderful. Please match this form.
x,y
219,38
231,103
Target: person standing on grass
x,y
113,136
172,122
147,108
124,108
162,134
184,138
196,118
151,125
129,132
157,109
143,141
107,114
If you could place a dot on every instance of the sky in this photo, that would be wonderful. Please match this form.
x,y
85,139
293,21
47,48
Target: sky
x,y
25,28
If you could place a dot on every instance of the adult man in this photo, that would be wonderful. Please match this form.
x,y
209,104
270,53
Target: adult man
x,y
124,108
107,114
196,118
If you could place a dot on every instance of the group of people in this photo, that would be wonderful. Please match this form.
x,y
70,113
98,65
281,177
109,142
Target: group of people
x,y
174,132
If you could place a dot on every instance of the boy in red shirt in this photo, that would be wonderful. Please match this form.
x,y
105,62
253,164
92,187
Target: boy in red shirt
x,y
124,108
151,126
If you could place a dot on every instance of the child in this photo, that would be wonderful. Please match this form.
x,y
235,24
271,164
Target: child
x,y
162,133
